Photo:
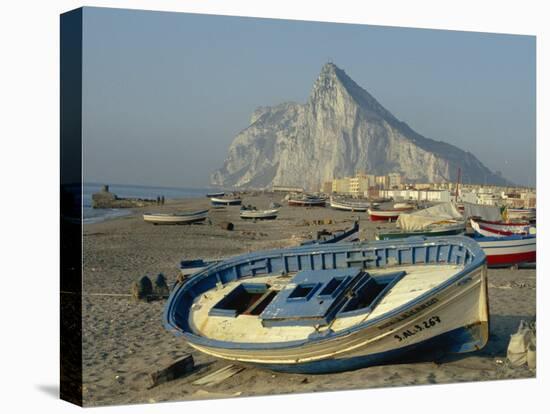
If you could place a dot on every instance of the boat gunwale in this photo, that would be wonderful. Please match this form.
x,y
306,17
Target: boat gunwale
x,y
478,261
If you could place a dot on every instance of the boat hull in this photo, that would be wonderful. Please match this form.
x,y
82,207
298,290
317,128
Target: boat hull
x,y
341,205
500,229
175,219
223,202
386,215
435,233
463,327
507,251
306,203
259,215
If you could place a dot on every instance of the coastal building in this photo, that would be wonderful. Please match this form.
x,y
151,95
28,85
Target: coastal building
x,y
394,180
358,185
382,181
340,185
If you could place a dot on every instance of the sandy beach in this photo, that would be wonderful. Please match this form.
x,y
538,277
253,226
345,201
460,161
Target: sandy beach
x,y
124,340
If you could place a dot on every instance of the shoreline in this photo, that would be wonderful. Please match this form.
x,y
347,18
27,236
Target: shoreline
x,y
123,341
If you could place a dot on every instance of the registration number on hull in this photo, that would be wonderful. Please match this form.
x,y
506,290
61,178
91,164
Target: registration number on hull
x,y
427,324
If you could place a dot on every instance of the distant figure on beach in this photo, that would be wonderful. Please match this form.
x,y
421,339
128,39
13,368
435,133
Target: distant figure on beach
x,y
162,200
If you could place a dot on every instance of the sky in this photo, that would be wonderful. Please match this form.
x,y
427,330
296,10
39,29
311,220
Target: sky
x,y
164,94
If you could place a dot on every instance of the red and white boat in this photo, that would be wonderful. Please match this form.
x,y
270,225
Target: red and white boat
x,y
501,228
509,250
522,213
387,215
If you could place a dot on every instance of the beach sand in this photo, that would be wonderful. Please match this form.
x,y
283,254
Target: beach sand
x,y
124,340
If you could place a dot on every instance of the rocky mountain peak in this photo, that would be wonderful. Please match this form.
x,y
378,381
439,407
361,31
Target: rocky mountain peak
x,y
341,129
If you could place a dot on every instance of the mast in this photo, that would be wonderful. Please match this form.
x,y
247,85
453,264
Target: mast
x,y
457,184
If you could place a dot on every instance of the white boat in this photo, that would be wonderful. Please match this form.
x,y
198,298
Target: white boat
x,y
387,214
336,307
225,201
259,214
176,218
348,205
509,250
522,213
501,228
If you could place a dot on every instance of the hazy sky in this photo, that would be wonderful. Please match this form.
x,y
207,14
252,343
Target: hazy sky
x,y
166,93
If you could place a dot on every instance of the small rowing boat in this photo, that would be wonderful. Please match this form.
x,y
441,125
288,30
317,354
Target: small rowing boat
x,y
259,214
326,237
522,213
218,194
306,201
392,214
176,218
337,307
434,230
508,250
501,228
348,205
225,201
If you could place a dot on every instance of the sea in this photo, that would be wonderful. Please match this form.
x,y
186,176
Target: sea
x,y
95,215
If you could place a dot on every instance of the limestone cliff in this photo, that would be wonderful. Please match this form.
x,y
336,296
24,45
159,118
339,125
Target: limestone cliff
x,y
341,129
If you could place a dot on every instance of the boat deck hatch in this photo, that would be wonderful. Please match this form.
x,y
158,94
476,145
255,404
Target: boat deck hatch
x,y
312,297
246,298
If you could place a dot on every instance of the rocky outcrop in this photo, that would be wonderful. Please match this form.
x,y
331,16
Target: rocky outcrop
x,y
340,130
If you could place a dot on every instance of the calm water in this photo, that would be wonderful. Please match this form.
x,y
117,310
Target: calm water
x,y
92,215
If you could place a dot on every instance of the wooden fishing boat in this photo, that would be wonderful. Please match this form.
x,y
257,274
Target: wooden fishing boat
x,y
440,220
508,250
501,228
522,213
225,201
336,307
176,218
306,201
436,230
326,237
348,205
215,195
387,214
270,214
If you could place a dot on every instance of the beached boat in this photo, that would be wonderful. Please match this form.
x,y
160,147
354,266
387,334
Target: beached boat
x,y
522,213
508,250
218,194
336,307
348,205
327,237
306,201
176,218
436,230
440,220
501,228
225,201
270,214
391,214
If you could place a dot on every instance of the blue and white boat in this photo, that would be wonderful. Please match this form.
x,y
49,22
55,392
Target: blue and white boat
x,y
336,307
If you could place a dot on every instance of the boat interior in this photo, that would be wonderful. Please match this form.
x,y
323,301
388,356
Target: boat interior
x,y
295,306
